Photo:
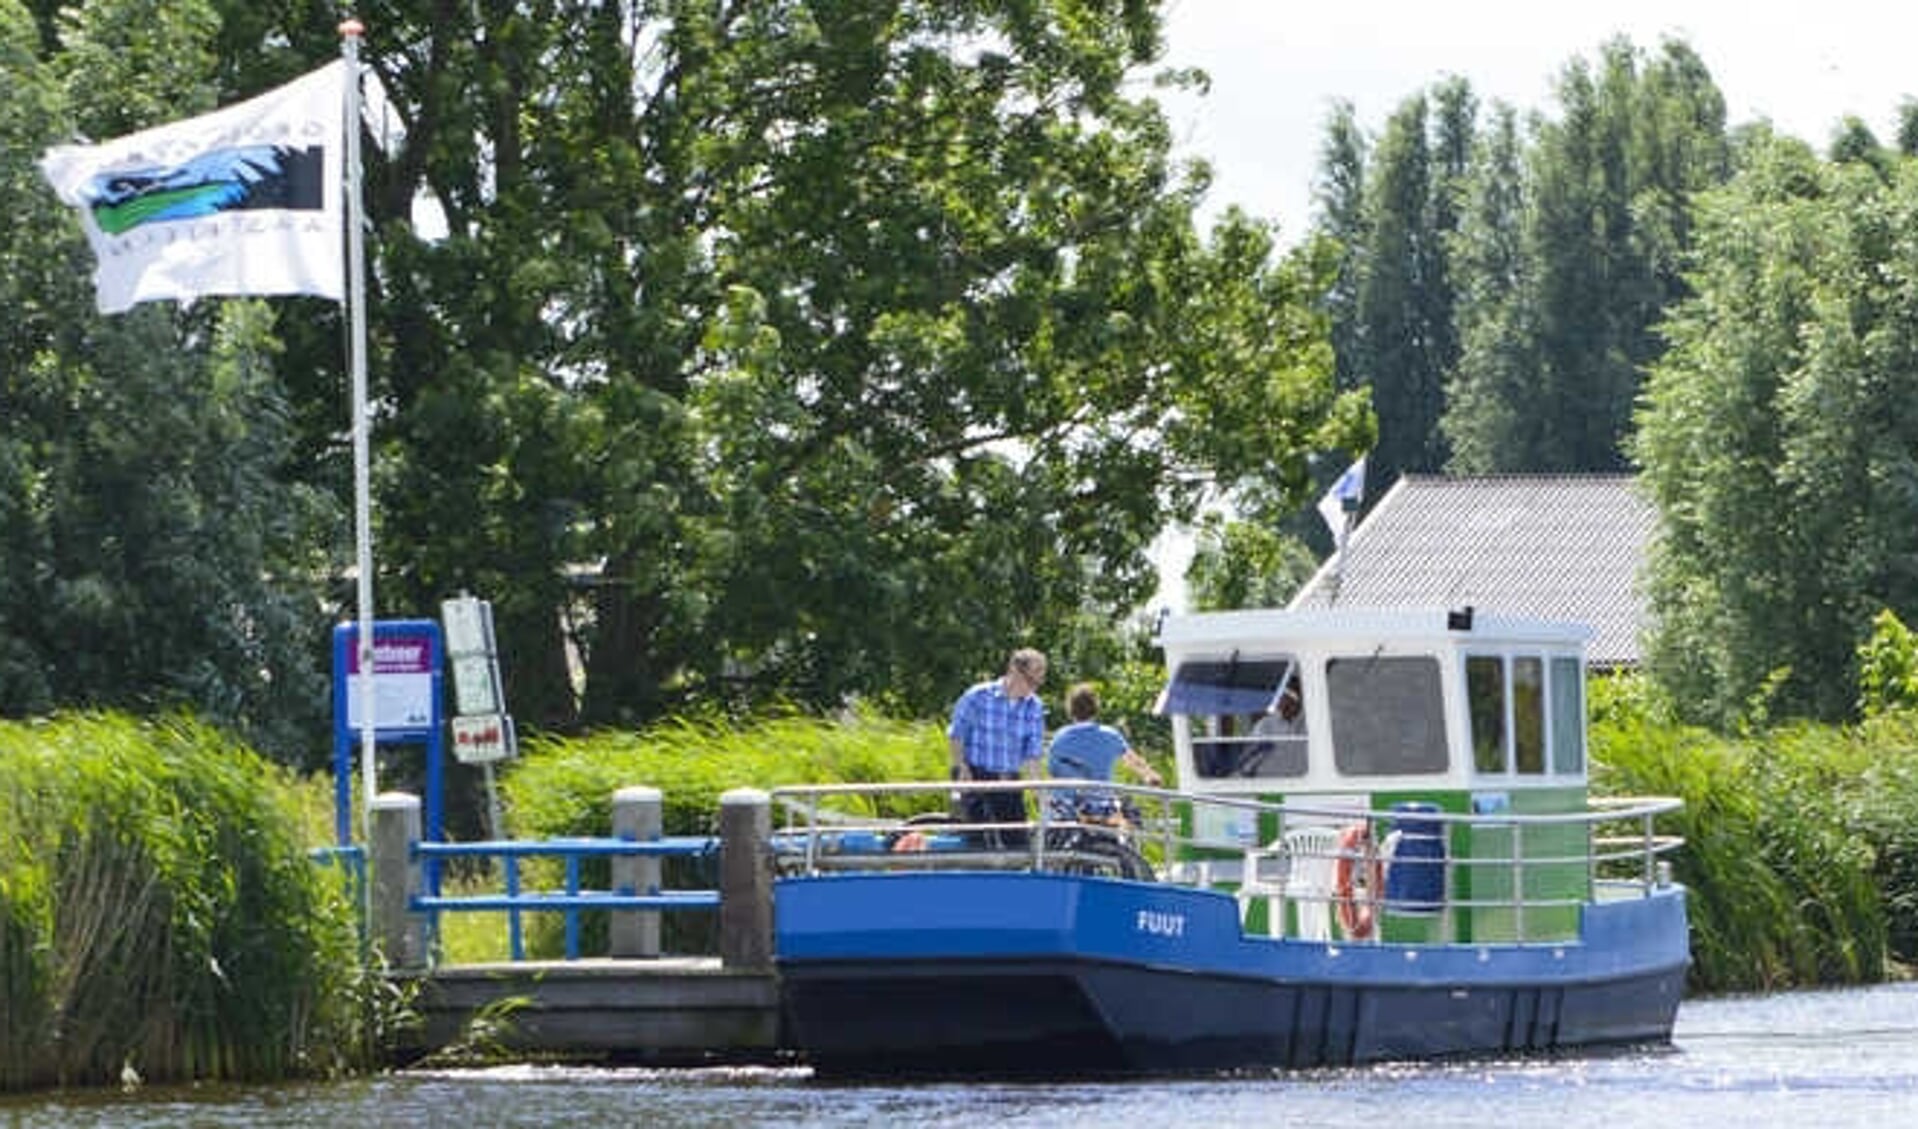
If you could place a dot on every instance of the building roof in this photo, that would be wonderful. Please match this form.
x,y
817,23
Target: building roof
x,y
1565,547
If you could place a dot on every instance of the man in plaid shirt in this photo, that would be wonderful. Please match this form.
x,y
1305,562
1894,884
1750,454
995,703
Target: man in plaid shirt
x,y
998,733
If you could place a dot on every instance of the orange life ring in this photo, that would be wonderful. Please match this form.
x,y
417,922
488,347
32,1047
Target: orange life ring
x,y
1356,906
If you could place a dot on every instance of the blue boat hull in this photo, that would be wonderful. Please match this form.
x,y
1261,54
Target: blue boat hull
x,y
1048,975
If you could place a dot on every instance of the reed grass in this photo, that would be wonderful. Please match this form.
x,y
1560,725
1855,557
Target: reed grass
x,y
565,786
1784,878
159,916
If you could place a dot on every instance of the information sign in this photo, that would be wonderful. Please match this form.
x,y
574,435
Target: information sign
x,y
403,686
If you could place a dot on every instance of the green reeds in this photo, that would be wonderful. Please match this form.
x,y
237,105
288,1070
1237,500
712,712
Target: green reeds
x,y
159,916
1778,866
566,787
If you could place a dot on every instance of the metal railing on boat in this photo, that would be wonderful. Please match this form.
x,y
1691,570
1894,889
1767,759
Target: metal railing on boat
x,y
1614,843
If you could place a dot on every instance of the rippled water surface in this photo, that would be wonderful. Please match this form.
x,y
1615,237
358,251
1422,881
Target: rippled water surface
x,y
1827,1060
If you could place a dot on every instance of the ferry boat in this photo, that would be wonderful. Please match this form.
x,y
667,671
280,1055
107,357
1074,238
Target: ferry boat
x,y
1419,873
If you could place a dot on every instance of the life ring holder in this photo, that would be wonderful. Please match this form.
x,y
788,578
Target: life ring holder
x,y
1358,882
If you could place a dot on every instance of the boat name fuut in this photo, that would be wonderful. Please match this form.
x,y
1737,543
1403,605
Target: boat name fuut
x,y
1160,924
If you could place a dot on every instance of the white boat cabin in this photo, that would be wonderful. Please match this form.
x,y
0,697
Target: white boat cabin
x,y
1391,702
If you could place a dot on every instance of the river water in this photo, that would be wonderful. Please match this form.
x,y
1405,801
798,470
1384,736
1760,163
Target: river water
x,y
1830,1060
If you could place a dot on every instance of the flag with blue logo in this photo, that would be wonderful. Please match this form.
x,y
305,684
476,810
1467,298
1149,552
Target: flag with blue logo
x,y
1341,500
244,200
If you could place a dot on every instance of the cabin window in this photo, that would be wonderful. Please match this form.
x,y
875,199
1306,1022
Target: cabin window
x,y
1528,715
1568,717
1388,715
1513,730
1485,690
1233,707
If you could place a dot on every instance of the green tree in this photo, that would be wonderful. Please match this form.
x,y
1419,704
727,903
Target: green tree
x,y
1393,210
1238,564
1403,307
1490,401
1454,144
834,346
154,552
1339,214
1908,127
1854,143
32,277
1556,344
1772,441
773,350
1888,668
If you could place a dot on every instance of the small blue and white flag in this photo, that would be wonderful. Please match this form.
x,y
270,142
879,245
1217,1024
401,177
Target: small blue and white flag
x,y
1342,500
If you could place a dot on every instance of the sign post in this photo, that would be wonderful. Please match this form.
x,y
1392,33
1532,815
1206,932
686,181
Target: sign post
x,y
404,695
482,729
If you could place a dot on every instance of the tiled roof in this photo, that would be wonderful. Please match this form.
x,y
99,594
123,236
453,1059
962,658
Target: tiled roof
x,y
1565,547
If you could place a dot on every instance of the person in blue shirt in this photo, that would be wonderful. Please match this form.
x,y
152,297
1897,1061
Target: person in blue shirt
x,y
998,732
1089,750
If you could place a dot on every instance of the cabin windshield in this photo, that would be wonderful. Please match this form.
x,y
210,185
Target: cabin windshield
x,y
1238,726
1388,715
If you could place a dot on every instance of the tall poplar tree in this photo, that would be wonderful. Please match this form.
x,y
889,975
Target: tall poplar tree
x,y
1606,190
1405,305
1493,414
1339,214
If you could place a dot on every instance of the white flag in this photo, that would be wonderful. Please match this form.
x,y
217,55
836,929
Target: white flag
x,y
1343,497
244,200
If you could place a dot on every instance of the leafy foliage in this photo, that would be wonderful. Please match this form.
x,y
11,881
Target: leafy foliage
x,y
1240,564
153,552
1888,667
1770,442
1405,301
774,351
848,343
1573,253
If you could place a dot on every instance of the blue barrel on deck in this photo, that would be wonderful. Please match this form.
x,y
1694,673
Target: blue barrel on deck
x,y
1415,880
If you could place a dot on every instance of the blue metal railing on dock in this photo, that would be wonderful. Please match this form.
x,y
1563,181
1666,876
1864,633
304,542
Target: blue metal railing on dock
x,y
572,900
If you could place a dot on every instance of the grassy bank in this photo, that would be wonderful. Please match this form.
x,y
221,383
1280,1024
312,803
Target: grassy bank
x,y
159,916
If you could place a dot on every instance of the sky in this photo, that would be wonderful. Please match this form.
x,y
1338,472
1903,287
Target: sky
x,y
1278,65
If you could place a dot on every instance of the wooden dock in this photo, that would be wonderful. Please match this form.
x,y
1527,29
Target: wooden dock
x,y
637,1005
666,1011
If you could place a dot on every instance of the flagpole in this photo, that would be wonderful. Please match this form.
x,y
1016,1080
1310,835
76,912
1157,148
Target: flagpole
x,y
1338,558
1339,506
350,32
